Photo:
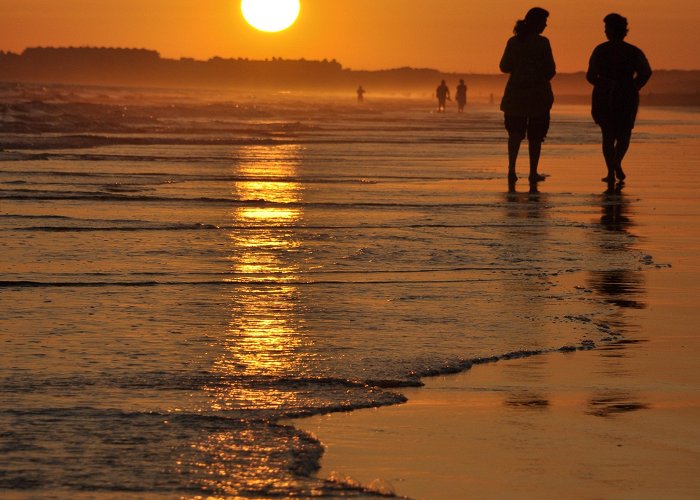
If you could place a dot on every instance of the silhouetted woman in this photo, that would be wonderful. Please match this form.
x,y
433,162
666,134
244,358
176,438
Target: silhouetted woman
x,y
617,71
528,96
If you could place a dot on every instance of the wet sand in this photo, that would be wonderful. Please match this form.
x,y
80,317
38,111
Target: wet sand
x,y
619,421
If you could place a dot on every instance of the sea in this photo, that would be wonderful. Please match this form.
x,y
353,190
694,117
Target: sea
x,y
182,272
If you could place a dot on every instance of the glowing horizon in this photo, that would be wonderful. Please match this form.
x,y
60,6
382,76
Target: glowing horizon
x,y
460,37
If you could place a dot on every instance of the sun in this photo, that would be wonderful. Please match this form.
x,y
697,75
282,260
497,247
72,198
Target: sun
x,y
270,15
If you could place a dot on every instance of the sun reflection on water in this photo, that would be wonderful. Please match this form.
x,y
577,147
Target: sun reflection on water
x,y
264,339
263,346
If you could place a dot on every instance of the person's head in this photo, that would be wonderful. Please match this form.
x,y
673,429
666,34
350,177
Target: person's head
x,y
461,80
534,23
615,26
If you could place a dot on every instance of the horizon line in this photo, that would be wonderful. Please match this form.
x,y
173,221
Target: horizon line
x,y
300,59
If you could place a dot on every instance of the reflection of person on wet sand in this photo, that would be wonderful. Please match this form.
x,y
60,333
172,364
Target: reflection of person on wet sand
x,y
360,94
617,70
621,285
614,213
443,94
461,96
528,95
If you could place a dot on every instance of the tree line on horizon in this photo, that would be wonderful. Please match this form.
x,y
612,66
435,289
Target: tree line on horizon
x,y
145,67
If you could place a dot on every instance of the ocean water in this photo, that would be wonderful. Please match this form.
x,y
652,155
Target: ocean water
x,y
182,270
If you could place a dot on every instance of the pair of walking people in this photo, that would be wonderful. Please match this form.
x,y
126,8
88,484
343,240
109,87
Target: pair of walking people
x,y
617,70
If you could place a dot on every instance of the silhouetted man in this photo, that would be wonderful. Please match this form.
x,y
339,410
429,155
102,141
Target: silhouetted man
x,y
617,70
443,94
360,94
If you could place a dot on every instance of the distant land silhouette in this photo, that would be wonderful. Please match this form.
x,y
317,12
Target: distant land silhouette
x,y
143,67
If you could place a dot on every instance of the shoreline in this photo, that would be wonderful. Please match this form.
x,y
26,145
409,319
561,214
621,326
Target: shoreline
x,y
614,421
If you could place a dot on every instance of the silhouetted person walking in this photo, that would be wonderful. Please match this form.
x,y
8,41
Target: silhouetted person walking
x,y
461,96
617,70
528,96
360,94
443,94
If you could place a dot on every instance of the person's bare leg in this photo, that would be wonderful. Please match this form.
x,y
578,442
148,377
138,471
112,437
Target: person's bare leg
x,y
609,155
513,150
535,148
621,146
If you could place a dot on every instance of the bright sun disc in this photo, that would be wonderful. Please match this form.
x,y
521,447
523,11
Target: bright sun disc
x,y
270,15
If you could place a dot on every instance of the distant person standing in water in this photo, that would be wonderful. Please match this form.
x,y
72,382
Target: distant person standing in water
x,y
360,94
528,96
617,70
443,94
461,96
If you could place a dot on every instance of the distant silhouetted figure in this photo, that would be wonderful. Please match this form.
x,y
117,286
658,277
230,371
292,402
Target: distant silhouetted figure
x,y
461,96
443,94
617,71
528,96
360,94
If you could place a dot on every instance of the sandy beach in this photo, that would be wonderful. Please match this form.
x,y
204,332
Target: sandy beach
x,y
618,421
175,298
268,249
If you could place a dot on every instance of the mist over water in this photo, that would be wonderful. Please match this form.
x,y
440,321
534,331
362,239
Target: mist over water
x,y
179,273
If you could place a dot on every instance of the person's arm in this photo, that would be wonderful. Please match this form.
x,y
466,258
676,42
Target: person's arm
x,y
592,73
643,70
550,67
506,64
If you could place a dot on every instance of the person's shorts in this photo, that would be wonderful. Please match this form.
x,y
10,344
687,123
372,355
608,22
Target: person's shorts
x,y
534,127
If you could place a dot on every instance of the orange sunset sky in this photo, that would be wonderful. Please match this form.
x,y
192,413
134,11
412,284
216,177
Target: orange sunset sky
x,y
449,35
